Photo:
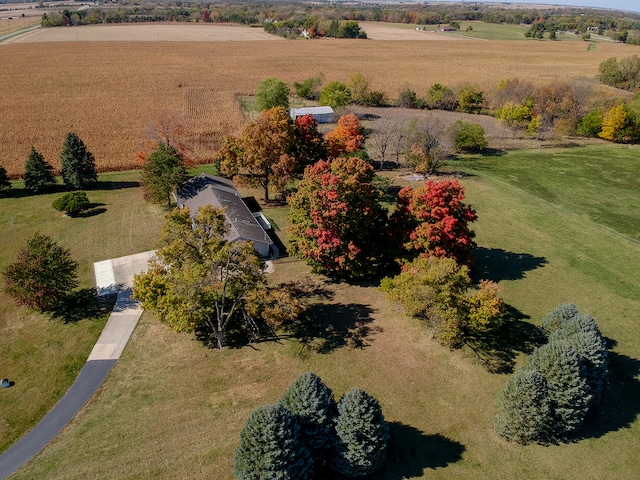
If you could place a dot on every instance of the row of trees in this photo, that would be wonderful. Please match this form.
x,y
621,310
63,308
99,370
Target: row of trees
x,y
306,432
548,399
78,168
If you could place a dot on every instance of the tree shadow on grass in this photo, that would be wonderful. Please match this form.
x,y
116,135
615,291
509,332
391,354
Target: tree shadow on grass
x,y
620,404
92,210
102,185
497,264
81,305
498,348
411,452
325,327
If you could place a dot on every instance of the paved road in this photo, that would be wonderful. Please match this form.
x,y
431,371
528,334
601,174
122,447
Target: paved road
x,y
111,275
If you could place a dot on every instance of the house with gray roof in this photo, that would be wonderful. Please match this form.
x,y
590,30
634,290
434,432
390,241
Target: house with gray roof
x,y
205,189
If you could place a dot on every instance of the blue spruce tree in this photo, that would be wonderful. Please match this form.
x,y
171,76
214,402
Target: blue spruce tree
x,y
360,435
270,447
312,403
553,320
524,408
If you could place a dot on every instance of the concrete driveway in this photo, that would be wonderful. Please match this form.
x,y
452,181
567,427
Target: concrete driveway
x,y
115,275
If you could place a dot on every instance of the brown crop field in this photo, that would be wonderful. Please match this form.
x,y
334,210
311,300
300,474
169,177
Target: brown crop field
x,y
107,92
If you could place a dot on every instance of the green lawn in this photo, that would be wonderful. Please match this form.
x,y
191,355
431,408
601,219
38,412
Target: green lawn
x,y
43,356
173,409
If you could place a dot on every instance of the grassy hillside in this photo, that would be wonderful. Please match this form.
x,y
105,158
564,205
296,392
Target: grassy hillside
x,y
172,409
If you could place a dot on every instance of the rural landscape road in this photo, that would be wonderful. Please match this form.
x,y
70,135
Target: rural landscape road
x,y
111,275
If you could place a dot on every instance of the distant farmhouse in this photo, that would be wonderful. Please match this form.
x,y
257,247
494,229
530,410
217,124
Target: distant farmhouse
x,y
320,114
219,192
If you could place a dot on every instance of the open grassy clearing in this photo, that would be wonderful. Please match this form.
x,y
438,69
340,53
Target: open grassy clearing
x,y
108,95
40,355
581,180
172,409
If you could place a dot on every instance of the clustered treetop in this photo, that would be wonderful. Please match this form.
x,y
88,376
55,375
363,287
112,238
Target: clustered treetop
x,y
306,433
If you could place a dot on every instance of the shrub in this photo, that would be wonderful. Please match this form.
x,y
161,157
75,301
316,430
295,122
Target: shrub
x,y
470,100
309,88
441,97
469,137
270,447
590,125
72,203
407,98
5,184
361,435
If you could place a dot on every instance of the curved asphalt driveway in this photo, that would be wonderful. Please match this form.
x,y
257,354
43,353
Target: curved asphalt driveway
x,y
111,275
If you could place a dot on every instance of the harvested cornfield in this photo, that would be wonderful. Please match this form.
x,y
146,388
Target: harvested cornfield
x,y
108,92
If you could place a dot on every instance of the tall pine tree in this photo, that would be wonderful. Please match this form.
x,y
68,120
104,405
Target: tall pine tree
x,y
78,165
360,435
270,447
38,173
311,401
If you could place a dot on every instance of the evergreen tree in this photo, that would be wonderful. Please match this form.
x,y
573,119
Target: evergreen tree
x,y
311,401
582,332
360,435
270,447
38,174
5,184
560,365
553,320
78,164
524,408
162,173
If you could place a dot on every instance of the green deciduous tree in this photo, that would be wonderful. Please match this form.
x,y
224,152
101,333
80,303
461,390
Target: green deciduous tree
x,y
78,165
200,280
336,218
524,408
309,88
312,403
441,97
624,74
590,125
5,184
271,93
335,94
261,157
270,447
43,275
439,291
72,203
471,100
469,137
162,173
38,174
361,435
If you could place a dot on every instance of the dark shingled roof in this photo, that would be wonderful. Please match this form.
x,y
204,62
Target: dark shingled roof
x,y
206,189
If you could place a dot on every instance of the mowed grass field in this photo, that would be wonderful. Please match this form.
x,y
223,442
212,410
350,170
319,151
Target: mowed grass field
x,y
40,355
173,409
108,92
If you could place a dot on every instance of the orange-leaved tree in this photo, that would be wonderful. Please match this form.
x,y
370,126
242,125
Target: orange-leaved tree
x,y
346,137
260,156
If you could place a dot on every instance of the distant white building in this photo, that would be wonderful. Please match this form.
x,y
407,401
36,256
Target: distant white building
x,y
321,114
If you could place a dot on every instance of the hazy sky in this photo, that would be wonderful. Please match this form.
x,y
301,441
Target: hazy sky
x,y
629,5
